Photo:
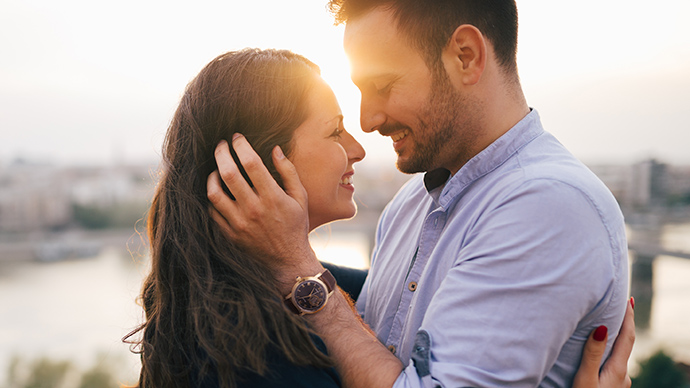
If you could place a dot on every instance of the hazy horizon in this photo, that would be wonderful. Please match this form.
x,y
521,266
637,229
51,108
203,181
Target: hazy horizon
x,y
93,83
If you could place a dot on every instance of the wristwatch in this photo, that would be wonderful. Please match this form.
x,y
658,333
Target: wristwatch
x,y
310,294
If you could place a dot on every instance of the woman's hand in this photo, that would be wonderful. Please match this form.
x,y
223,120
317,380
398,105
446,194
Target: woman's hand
x,y
614,372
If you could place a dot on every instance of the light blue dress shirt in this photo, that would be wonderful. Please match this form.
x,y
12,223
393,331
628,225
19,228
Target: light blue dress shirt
x,y
496,276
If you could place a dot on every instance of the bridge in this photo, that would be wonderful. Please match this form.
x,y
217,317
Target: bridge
x,y
642,277
651,251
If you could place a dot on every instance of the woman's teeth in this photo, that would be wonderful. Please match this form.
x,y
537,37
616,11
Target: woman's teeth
x,y
400,135
346,180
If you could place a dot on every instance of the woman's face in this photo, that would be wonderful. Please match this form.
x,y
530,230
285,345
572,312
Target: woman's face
x,y
323,154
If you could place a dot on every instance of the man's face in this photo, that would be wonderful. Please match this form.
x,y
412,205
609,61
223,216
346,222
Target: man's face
x,y
425,116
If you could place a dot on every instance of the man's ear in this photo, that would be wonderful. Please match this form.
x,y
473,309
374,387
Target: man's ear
x,y
465,56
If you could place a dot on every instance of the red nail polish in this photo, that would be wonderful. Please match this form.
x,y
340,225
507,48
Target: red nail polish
x,y
600,333
632,302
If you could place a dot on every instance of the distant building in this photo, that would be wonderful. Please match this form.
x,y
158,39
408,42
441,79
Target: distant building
x,y
647,184
36,197
678,183
32,197
106,186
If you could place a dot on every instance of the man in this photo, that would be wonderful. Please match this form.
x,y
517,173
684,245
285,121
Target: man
x,y
492,268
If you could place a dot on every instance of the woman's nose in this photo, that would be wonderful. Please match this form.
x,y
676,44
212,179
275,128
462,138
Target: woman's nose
x,y
355,151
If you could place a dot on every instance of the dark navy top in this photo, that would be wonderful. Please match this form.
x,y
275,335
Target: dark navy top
x,y
282,373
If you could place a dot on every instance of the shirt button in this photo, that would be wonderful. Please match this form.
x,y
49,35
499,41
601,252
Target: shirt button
x,y
392,349
412,286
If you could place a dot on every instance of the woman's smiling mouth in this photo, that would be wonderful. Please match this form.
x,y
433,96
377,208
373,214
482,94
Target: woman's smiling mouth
x,y
347,180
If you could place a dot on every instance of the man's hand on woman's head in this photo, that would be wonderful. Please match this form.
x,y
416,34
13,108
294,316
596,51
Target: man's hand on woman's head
x,y
270,223
614,372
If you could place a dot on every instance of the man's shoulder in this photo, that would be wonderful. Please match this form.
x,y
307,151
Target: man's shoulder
x,y
544,173
556,164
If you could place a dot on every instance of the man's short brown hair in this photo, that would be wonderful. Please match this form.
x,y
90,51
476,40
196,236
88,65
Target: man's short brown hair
x,y
429,24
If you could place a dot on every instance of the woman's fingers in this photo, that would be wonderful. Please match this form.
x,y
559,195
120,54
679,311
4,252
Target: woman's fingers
x,y
616,367
588,373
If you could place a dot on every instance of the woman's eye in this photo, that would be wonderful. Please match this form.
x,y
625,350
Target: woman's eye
x,y
337,133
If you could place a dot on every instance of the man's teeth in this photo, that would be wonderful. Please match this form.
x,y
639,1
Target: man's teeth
x,y
346,180
400,135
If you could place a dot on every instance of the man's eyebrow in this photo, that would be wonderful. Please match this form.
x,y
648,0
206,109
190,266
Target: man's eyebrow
x,y
359,79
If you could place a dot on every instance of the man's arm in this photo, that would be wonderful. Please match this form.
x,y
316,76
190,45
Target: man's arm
x,y
273,224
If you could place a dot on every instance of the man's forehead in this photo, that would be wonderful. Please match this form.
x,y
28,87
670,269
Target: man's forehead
x,y
376,27
372,44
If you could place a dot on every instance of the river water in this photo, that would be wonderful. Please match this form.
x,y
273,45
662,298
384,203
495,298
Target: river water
x,y
79,310
670,316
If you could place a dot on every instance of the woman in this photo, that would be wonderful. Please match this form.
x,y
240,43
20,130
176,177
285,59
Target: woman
x,y
214,317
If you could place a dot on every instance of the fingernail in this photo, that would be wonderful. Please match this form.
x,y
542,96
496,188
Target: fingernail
x,y
600,333
632,302
236,135
222,142
279,152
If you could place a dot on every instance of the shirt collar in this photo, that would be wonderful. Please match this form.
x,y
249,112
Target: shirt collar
x,y
484,162
435,178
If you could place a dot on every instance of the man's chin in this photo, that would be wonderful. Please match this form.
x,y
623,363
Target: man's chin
x,y
408,166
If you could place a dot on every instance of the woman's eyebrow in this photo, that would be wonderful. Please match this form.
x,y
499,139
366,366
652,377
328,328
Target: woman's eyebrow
x,y
338,117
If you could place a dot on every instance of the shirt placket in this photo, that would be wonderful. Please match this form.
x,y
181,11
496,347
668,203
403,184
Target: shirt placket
x,y
430,233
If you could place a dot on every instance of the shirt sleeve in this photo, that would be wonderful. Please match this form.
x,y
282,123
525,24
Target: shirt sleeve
x,y
533,272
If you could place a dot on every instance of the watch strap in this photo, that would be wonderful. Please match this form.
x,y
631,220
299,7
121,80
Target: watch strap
x,y
327,277
291,305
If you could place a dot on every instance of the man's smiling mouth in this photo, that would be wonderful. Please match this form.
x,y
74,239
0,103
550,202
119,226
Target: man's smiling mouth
x,y
400,135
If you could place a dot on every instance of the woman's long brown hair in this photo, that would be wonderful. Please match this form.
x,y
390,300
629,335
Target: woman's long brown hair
x,y
208,305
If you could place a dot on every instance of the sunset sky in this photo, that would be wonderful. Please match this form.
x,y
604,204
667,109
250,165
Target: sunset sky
x,y
97,81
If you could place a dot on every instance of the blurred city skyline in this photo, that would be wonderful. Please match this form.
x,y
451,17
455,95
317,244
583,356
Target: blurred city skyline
x,y
97,82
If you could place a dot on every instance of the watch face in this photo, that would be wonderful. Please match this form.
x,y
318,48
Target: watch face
x,y
310,295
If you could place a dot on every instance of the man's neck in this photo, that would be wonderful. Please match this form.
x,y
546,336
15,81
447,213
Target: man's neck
x,y
504,110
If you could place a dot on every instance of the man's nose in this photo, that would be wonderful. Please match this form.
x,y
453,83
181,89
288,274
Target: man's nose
x,y
371,114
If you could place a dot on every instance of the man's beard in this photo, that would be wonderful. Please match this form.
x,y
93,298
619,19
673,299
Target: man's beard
x,y
438,138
